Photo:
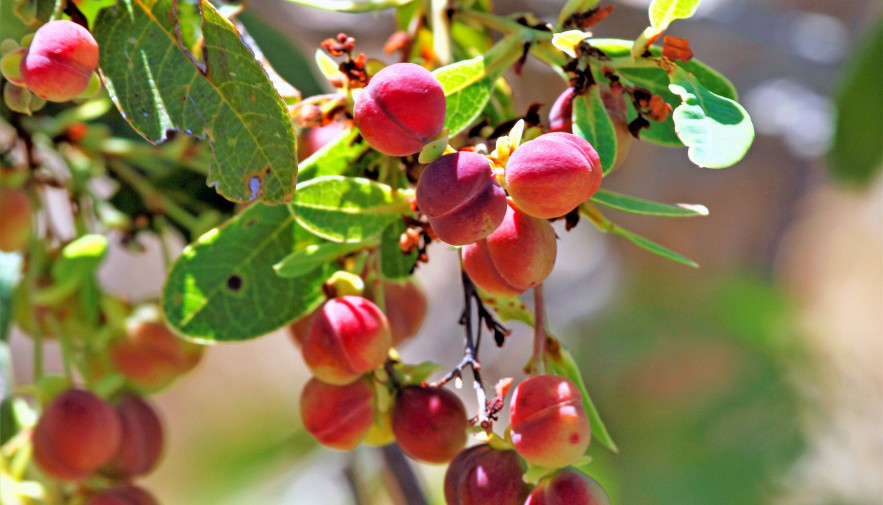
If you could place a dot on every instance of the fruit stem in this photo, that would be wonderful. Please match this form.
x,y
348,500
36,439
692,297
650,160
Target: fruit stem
x,y
539,330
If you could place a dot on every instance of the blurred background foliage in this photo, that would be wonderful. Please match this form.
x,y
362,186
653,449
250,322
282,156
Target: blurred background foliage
x,y
755,379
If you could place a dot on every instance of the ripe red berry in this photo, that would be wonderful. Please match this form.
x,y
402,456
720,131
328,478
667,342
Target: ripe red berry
x,y
338,416
401,110
549,426
429,423
150,356
347,337
126,494
561,113
552,174
141,443
60,61
76,434
568,487
461,198
519,255
481,475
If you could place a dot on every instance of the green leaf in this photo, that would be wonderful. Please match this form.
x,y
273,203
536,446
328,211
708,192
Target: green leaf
x,y
634,205
34,12
656,80
395,264
224,287
507,309
663,12
467,84
10,275
81,257
591,122
856,156
717,130
602,223
314,256
352,6
340,156
560,361
347,209
224,94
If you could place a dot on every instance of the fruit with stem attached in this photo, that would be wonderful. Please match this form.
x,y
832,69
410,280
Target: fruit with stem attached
x,y
60,61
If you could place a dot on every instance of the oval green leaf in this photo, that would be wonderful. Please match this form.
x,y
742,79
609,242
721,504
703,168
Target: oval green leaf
x,y
716,130
591,122
347,209
634,205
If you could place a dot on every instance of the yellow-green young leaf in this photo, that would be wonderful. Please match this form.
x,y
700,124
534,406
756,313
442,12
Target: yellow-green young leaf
x,y
34,12
352,5
717,130
467,84
224,287
663,12
560,361
222,93
567,41
507,309
857,154
591,122
347,209
634,205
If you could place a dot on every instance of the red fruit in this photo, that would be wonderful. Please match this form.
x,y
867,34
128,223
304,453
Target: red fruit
x,y
299,328
401,110
126,494
549,425
142,439
338,416
481,475
429,423
15,219
552,174
76,434
151,356
316,138
60,60
461,198
561,113
348,336
519,255
405,306
568,487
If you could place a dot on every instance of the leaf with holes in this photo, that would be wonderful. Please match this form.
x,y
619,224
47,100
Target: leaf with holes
x,y
222,93
717,130
224,287
591,122
347,209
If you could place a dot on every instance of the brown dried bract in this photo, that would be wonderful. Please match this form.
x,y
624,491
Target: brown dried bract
x,y
674,48
658,109
343,44
584,20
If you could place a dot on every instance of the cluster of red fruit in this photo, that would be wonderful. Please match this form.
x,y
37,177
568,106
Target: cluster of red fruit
x,y
508,244
79,434
58,64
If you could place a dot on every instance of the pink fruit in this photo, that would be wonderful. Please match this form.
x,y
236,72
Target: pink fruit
x,y
568,487
76,434
15,219
348,336
552,174
429,423
519,255
461,198
561,113
338,416
60,60
401,110
481,475
549,426
141,442
405,306
126,494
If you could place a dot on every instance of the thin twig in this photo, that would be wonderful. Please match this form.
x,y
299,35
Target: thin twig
x,y
403,475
